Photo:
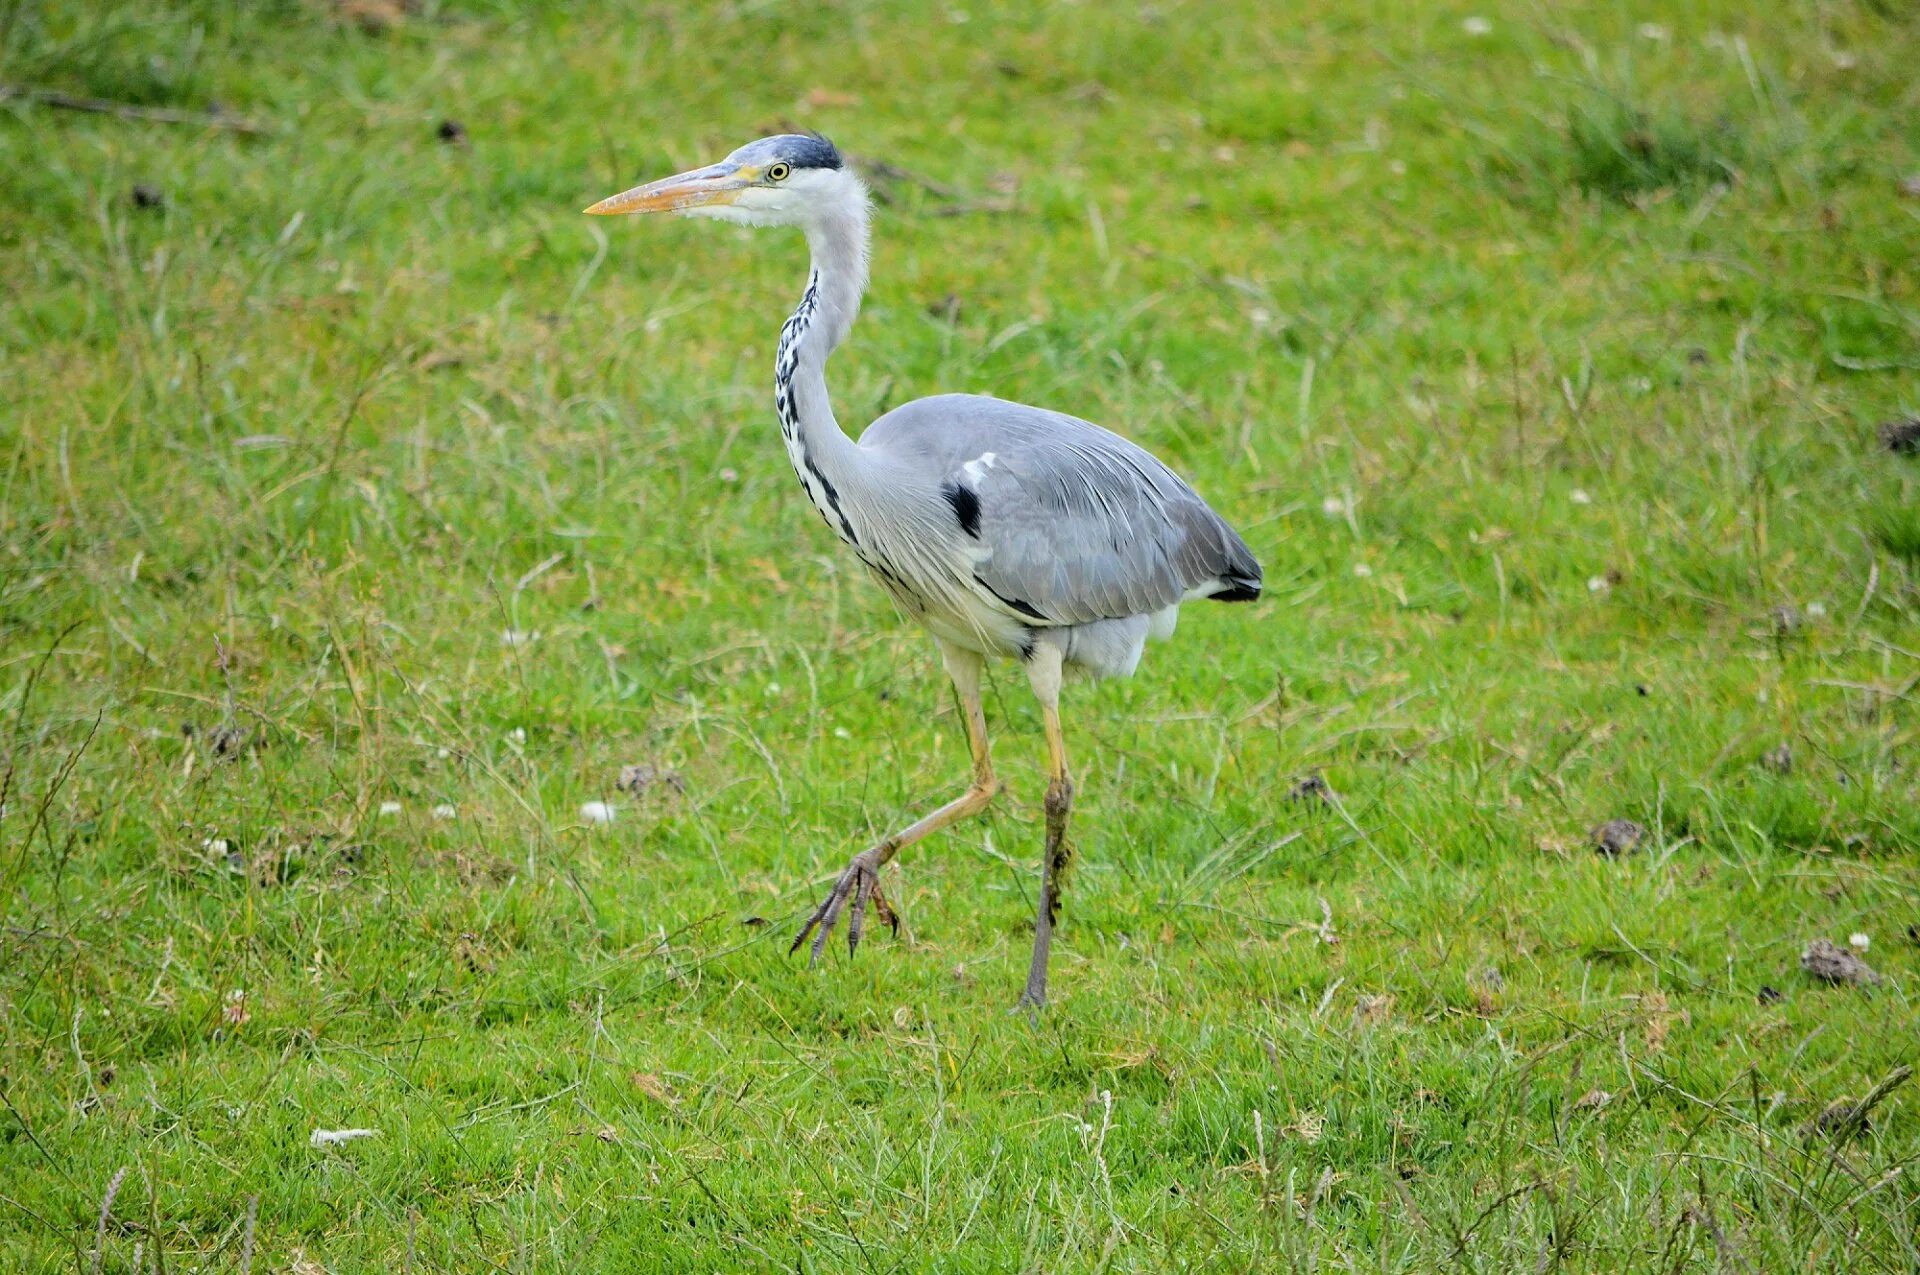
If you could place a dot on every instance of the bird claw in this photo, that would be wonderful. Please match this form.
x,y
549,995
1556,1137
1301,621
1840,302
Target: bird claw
x,y
860,883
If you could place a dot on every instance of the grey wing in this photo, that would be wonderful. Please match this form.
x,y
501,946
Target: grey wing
x,y
1065,522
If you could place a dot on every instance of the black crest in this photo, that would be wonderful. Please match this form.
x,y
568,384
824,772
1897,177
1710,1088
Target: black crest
x,y
810,150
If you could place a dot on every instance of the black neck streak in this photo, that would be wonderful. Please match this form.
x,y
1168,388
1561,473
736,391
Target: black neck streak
x,y
786,364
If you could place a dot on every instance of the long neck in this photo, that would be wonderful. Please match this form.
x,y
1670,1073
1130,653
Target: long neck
x,y
827,461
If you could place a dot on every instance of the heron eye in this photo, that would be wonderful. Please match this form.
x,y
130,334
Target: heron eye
x,y
778,172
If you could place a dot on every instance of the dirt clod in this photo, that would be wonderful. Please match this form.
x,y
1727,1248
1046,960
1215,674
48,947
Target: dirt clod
x,y
1902,438
147,195
643,777
1616,837
451,132
1831,963
1778,760
1770,995
1838,1118
373,17
1312,789
1845,1118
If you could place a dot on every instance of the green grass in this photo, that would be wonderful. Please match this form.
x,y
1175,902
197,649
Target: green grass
x,y
1542,368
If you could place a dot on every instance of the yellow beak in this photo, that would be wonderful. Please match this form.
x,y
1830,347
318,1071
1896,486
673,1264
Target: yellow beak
x,y
715,184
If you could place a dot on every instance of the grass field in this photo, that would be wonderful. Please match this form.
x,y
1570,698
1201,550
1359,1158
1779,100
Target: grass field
x,y
364,510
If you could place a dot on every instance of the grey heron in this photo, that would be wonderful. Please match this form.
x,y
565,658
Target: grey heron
x,y
1006,531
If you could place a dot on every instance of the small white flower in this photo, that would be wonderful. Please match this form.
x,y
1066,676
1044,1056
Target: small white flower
x,y
519,637
1333,506
1476,26
444,811
773,688
443,753
1816,609
216,844
1652,31
841,732
1260,317
1362,570
1859,942
518,735
729,475
390,807
597,812
1597,584
1580,497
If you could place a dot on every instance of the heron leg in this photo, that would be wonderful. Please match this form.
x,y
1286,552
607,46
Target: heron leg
x,y
1043,671
860,883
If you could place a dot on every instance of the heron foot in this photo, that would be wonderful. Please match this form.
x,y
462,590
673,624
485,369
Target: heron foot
x,y
860,884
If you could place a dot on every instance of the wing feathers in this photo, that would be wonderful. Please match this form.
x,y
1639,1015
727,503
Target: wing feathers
x,y
1073,523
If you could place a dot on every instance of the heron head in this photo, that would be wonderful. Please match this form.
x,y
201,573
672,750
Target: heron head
x,y
776,181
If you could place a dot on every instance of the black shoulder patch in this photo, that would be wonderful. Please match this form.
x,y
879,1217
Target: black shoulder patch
x,y
966,507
